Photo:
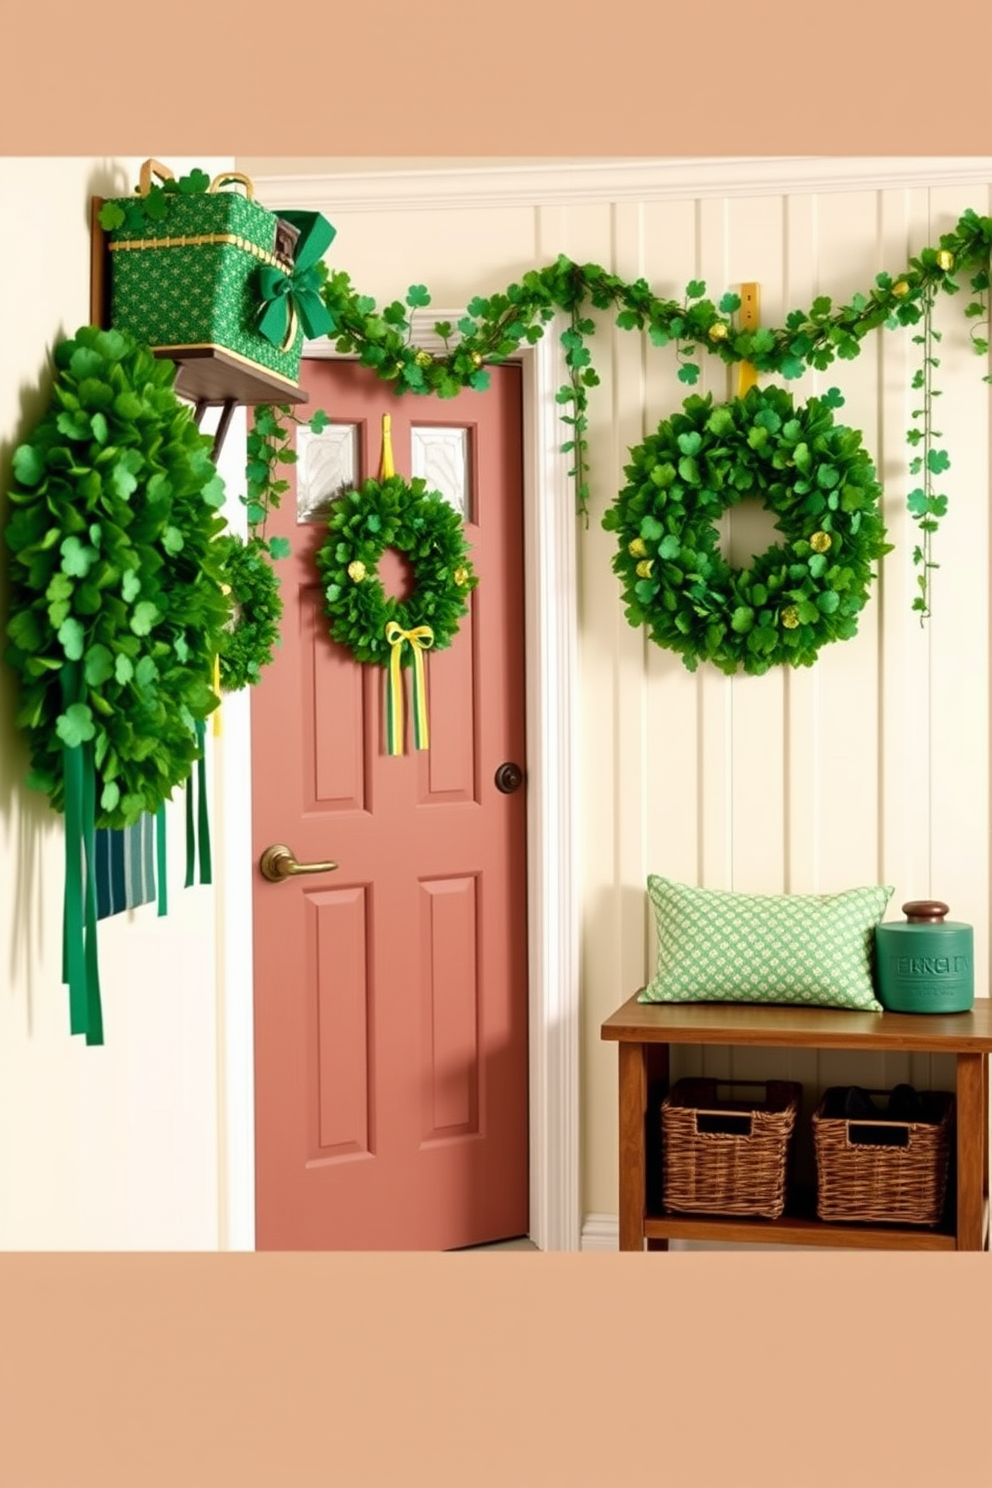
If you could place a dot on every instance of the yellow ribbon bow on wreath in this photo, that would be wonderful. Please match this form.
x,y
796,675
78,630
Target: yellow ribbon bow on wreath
x,y
421,638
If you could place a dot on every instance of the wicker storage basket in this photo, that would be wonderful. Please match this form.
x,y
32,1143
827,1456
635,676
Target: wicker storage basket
x,y
893,1172
727,1155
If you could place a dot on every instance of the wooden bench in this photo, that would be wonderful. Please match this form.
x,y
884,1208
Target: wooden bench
x,y
645,1032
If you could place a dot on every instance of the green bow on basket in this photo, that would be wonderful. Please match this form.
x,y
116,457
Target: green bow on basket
x,y
300,290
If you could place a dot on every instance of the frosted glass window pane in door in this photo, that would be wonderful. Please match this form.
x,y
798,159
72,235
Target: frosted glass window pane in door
x,y
326,465
441,458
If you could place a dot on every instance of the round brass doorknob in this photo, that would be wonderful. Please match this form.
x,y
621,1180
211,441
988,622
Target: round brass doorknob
x,y
277,863
508,778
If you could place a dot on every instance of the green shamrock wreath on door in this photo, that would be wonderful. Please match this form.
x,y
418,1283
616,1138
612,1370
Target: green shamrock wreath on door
x,y
374,626
795,597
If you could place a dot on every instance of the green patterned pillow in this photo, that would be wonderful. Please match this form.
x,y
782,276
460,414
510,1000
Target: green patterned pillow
x,y
718,946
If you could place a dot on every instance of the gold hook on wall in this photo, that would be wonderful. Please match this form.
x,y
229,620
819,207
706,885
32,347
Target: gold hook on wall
x,y
750,302
386,466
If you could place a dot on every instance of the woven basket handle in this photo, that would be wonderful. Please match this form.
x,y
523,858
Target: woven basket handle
x,y
761,1085
740,1116
226,177
149,169
906,1127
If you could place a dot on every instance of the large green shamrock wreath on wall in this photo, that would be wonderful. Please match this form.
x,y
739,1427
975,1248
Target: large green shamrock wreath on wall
x,y
117,601
797,595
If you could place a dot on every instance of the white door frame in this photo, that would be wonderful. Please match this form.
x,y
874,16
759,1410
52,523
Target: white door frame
x,y
551,611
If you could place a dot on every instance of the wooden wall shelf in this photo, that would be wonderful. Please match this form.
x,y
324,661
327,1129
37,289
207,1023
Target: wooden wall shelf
x,y
644,1033
210,375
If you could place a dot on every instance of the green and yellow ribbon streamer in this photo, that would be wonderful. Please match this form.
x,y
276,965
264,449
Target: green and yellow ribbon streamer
x,y
198,815
421,638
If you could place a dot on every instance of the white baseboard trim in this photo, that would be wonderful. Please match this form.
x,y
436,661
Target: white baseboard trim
x,y
600,1232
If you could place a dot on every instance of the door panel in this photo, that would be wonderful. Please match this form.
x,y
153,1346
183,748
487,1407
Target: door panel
x,y
391,994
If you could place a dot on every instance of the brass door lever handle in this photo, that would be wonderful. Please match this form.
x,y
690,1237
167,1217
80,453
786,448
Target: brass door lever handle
x,y
277,863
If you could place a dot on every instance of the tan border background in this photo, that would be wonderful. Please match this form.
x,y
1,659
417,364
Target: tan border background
x,y
508,1370
534,77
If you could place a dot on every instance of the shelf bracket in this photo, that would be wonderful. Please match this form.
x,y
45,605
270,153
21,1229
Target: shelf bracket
x,y
223,424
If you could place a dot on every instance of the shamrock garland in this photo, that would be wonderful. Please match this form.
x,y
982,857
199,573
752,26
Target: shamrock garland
x,y
496,326
117,604
254,587
420,523
797,595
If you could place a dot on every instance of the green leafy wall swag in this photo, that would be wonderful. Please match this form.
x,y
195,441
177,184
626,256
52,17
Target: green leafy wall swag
x,y
118,608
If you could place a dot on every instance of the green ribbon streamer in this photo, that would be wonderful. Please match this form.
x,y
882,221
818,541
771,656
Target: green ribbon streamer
x,y
190,832
94,1011
200,821
160,861
282,292
206,868
80,964
73,944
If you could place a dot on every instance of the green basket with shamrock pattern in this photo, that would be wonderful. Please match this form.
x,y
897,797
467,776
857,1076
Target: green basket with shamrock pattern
x,y
196,266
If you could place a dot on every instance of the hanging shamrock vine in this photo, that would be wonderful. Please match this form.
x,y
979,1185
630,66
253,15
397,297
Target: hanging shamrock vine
x,y
269,449
494,328
926,506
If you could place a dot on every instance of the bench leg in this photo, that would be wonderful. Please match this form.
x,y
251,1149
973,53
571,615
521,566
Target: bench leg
x,y
972,1151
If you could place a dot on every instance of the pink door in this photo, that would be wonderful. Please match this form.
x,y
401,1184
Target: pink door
x,y
391,1066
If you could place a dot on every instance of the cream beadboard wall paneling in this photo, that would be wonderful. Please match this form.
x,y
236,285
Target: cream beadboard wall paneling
x,y
871,766
111,1147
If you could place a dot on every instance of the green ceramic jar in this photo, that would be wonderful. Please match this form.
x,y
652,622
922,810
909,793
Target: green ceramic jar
x,y
925,964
